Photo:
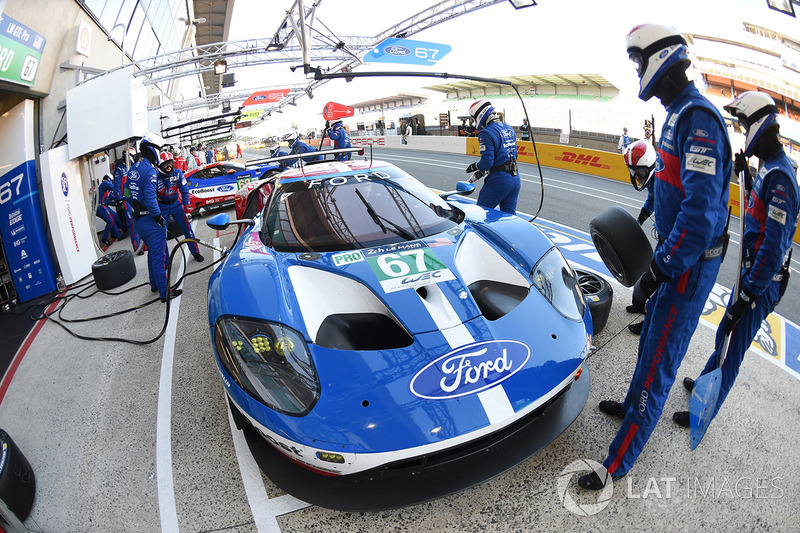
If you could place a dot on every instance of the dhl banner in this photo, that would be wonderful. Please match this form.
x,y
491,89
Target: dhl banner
x,y
595,162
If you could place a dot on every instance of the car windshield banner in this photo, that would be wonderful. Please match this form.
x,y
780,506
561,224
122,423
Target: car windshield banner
x,y
408,52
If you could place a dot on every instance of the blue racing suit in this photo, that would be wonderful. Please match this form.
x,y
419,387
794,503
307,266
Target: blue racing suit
x,y
299,147
143,184
770,225
340,139
691,199
498,144
105,203
121,192
173,199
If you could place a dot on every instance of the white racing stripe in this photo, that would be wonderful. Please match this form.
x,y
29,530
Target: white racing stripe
x,y
166,488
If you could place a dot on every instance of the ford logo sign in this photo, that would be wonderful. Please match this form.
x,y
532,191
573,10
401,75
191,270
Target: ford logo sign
x,y
64,184
260,97
397,50
225,188
470,369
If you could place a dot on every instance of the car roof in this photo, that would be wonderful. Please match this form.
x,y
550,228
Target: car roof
x,y
331,168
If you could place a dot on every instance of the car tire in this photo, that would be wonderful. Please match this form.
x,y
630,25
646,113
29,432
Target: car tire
x,y
173,230
622,244
598,295
114,269
17,481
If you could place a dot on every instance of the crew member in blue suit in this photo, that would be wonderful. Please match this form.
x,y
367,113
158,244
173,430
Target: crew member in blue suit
x,y
105,210
147,218
691,200
173,199
340,138
299,147
770,224
122,195
498,145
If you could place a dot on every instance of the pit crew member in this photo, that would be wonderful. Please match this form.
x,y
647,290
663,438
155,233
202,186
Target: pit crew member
x,y
340,138
173,200
770,224
105,210
691,199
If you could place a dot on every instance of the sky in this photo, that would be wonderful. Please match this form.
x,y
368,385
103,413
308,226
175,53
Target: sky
x,y
553,37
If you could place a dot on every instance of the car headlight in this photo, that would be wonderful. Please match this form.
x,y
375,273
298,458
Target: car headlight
x,y
556,281
269,361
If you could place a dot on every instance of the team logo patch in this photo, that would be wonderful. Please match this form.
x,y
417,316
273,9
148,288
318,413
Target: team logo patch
x,y
776,214
700,133
700,163
470,369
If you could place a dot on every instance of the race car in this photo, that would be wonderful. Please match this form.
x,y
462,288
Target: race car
x,y
381,345
214,185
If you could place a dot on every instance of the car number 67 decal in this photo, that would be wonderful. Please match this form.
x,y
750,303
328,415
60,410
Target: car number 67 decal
x,y
406,266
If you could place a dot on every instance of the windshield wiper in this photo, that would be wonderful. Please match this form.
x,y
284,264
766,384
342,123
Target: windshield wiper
x,y
399,230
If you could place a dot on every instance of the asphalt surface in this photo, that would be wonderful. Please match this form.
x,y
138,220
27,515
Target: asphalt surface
x,y
127,437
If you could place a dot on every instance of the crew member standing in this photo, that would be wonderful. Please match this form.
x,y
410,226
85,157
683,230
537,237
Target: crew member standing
x,y
526,130
122,194
105,210
624,141
640,158
173,199
149,223
340,138
691,200
498,145
770,224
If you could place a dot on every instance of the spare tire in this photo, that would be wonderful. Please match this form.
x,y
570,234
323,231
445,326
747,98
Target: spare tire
x,y
622,244
598,295
17,481
114,269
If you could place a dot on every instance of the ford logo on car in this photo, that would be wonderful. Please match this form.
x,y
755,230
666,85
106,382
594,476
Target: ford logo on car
x,y
64,184
470,369
225,188
397,50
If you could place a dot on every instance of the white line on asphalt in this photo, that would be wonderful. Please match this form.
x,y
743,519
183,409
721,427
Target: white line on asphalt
x,y
166,487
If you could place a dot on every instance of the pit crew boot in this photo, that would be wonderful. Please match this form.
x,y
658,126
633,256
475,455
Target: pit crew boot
x,y
681,418
612,408
636,327
174,293
198,257
688,384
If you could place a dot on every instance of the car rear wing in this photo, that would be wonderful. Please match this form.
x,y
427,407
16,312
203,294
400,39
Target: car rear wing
x,y
301,157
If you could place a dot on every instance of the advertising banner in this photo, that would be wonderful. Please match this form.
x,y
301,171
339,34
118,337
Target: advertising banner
x,y
21,223
20,52
66,213
408,52
272,96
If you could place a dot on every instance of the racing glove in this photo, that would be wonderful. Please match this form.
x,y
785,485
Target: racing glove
x,y
160,221
643,215
647,285
740,164
735,311
472,168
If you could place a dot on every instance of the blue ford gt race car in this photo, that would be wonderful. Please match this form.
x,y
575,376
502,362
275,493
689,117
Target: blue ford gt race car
x,y
382,345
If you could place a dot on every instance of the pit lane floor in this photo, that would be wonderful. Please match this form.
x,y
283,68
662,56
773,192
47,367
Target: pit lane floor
x,y
138,438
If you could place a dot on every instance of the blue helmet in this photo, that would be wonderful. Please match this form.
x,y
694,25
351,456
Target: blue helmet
x,y
756,112
150,147
655,49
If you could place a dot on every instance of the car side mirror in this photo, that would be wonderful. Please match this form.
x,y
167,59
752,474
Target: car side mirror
x,y
463,188
222,221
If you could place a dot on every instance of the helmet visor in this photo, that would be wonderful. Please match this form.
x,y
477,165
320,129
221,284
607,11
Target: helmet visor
x,y
639,62
640,176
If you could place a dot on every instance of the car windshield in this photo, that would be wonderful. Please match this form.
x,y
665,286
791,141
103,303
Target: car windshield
x,y
354,210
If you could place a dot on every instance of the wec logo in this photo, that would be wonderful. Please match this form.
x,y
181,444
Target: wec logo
x,y
470,369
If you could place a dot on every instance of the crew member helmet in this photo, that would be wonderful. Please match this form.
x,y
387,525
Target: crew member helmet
x,y
654,49
150,147
756,112
641,160
336,125
481,110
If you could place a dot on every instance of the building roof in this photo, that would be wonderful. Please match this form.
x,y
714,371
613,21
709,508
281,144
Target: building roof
x,y
529,80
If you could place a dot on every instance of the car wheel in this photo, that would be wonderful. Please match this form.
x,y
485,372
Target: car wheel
x,y
114,269
173,230
17,481
622,244
599,296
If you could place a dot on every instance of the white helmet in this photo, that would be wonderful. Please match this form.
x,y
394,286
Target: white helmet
x,y
150,146
481,110
641,160
655,49
756,112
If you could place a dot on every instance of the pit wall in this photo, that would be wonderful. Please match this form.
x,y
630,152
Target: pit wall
x,y
595,162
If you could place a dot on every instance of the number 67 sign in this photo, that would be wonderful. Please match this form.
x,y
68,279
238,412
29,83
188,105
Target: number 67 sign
x,y
394,50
